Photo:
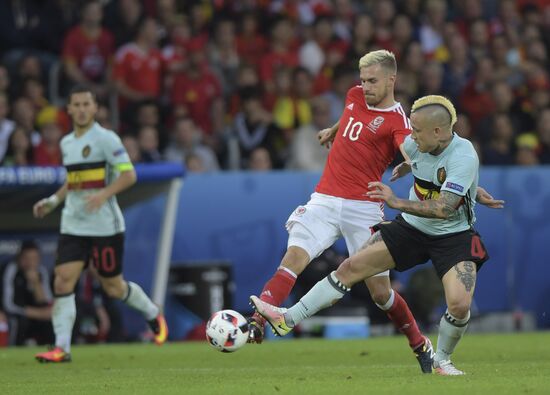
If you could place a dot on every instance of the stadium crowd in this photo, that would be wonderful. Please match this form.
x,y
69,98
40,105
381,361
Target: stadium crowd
x,y
229,84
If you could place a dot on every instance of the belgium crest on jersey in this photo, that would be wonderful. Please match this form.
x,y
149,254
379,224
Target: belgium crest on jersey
x,y
441,175
86,151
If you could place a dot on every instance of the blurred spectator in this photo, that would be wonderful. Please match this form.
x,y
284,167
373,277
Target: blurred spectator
x,y
27,297
432,26
251,44
458,68
305,151
28,24
526,153
362,39
194,164
475,100
48,152
281,52
138,66
292,108
260,160
148,141
123,19
223,55
410,70
197,88
463,127
344,78
132,147
6,125
431,82
252,128
104,117
20,149
88,50
24,113
499,150
186,140
33,89
478,34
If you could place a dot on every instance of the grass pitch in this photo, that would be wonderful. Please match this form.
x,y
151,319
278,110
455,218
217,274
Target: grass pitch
x,y
495,364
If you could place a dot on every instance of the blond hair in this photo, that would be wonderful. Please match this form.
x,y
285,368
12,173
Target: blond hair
x,y
435,100
382,57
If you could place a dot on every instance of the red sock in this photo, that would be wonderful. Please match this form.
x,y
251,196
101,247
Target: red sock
x,y
404,321
277,289
4,335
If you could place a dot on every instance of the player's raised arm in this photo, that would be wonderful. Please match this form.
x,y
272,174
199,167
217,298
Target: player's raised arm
x,y
326,136
45,206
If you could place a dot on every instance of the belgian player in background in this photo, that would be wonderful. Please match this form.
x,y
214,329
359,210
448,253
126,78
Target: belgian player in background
x,y
436,224
92,225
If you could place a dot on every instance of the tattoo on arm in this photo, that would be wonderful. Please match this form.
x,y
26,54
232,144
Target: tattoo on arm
x,y
466,275
375,238
435,208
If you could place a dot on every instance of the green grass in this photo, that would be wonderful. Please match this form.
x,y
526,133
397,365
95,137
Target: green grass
x,y
495,364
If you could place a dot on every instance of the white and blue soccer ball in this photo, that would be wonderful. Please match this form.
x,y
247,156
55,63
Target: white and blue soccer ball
x,y
227,330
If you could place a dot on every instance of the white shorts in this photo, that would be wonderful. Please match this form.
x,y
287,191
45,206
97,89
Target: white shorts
x,y
324,219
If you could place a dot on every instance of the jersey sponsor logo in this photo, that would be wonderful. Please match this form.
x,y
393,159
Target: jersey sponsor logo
x,y
300,211
456,187
350,106
86,151
375,124
441,175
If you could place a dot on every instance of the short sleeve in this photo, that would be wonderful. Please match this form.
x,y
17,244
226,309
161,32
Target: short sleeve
x,y
461,173
115,152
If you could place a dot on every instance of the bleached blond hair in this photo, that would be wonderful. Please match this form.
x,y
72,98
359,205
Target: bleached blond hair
x,y
385,58
436,100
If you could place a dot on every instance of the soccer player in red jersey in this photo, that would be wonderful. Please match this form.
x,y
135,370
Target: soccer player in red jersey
x,y
364,142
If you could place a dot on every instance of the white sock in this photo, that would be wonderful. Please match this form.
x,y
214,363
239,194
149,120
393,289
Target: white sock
x,y
451,330
138,300
323,294
63,317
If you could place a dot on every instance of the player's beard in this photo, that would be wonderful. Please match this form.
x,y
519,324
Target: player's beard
x,y
375,100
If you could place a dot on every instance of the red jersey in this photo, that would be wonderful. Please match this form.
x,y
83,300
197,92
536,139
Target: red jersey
x,y
140,70
366,143
91,55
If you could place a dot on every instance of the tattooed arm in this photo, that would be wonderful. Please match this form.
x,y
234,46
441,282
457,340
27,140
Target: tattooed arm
x,y
442,208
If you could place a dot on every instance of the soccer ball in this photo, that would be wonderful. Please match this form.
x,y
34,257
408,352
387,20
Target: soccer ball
x,y
227,330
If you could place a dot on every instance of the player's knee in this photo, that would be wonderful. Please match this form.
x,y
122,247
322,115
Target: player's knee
x,y
380,295
295,259
63,283
459,308
115,290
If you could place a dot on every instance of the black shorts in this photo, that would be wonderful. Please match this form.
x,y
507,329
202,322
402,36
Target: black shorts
x,y
105,253
410,247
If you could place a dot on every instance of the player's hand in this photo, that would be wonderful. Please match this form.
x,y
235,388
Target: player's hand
x,y
43,207
381,191
400,170
485,198
95,201
326,137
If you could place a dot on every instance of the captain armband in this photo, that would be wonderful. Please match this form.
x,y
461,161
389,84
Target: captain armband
x,y
122,167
